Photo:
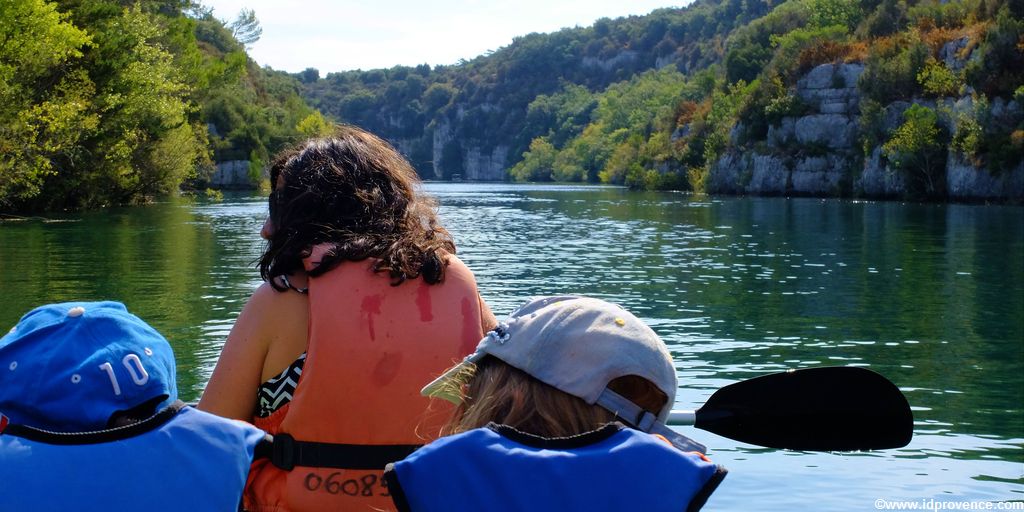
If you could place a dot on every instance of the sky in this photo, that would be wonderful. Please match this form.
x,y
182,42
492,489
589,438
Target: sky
x,y
345,34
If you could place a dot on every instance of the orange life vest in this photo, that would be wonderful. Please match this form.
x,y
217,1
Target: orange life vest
x,y
372,346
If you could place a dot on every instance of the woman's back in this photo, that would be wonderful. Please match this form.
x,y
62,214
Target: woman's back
x,y
371,345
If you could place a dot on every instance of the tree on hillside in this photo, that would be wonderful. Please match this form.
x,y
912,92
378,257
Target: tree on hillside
x,y
44,102
309,75
916,149
314,125
246,28
109,125
105,102
537,162
144,145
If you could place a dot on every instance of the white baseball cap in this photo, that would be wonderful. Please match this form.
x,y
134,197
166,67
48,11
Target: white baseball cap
x,y
579,345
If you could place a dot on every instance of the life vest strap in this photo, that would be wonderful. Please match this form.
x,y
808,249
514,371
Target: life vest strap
x,y
286,453
97,436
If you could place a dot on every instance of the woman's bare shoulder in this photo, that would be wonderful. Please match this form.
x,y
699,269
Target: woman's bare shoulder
x,y
269,330
279,320
266,297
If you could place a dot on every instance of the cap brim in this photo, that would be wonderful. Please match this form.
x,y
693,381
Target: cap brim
x,y
443,388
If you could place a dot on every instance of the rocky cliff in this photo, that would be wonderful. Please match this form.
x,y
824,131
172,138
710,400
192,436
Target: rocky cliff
x,y
475,163
820,153
232,175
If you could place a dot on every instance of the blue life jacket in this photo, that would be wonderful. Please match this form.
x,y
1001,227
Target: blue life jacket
x,y
498,468
178,459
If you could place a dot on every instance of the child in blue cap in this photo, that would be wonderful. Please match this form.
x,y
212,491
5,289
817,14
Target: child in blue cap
x,y
562,407
90,420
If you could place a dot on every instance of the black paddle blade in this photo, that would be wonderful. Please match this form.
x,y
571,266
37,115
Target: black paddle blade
x,y
815,409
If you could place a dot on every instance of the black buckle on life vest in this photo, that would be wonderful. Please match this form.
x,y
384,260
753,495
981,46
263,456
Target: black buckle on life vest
x,y
283,453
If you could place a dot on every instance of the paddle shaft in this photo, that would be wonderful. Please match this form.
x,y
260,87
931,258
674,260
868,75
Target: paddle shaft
x,y
682,417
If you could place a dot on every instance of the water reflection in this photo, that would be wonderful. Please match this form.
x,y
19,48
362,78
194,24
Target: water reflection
x,y
932,296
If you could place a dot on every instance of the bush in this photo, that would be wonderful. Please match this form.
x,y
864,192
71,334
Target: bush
x,y
622,161
792,45
697,177
916,149
745,62
886,20
314,125
938,80
537,163
872,125
826,13
999,68
968,136
893,66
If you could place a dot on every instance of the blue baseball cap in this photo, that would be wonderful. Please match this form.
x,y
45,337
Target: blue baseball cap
x,y
69,367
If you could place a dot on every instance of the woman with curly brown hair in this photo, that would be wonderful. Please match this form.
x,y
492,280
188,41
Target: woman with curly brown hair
x,y
363,300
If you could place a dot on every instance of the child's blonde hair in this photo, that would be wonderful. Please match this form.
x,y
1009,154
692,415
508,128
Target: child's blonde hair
x,y
494,391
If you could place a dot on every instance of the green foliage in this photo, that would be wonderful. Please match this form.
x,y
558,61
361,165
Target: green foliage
x,y
938,80
110,105
628,125
214,195
436,97
725,108
888,18
769,101
537,163
622,161
893,67
918,134
789,46
246,28
43,104
916,149
987,140
785,17
256,164
944,14
145,144
309,75
784,105
636,104
247,107
584,156
745,62
872,125
640,137
314,125
829,13
998,69
968,136
562,115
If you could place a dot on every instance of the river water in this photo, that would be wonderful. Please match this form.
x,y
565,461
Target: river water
x,y
931,296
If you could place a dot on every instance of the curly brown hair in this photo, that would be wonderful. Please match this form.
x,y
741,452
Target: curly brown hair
x,y
354,191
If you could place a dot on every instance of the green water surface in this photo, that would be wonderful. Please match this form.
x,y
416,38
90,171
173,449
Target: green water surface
x,y
932,296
